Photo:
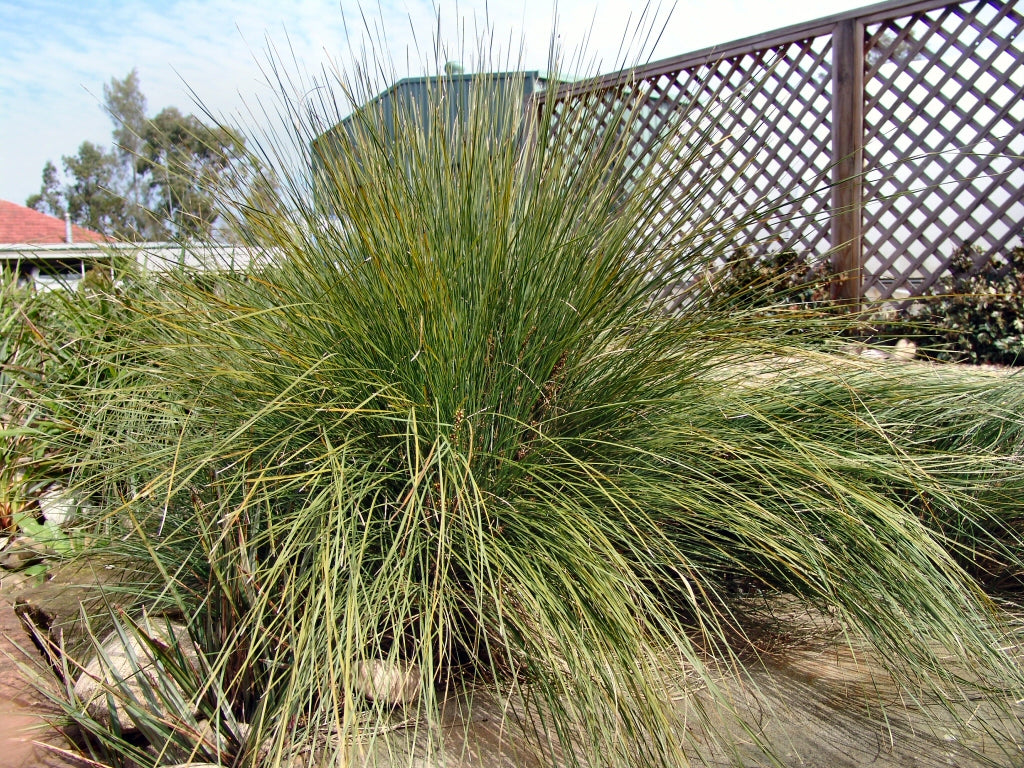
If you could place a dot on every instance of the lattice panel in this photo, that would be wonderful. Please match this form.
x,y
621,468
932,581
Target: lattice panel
x,y
944,152
766,117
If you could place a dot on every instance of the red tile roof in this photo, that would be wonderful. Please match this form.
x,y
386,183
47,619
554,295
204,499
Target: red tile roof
x,y
21,225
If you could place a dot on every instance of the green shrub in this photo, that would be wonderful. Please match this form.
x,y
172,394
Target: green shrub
x,y
977,313
777,279
33,349
53,341
445,429
15,424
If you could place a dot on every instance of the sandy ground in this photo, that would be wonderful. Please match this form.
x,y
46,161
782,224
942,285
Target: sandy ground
x,y
23,729
816,703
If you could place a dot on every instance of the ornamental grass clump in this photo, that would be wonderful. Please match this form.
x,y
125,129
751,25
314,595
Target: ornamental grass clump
x,y
437,458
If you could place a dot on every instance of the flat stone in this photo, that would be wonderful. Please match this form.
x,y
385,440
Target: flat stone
x,y
904,351
128,664
58,506
23,552
394,682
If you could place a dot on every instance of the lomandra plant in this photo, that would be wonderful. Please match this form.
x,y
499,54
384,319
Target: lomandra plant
x,y
44,337
435,479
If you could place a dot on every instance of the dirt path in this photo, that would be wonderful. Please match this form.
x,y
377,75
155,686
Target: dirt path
x,y
22,707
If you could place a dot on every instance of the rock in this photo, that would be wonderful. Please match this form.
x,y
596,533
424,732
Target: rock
x,y
874,354
12,582
101,676
23,552
210,736
218,740
46,635
58,506
393,682
904,351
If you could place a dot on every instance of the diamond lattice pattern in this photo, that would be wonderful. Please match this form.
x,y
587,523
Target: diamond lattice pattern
x,y
944,151
762,121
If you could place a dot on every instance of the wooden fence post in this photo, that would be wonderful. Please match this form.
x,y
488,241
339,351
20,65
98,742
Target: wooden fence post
x,y
847,160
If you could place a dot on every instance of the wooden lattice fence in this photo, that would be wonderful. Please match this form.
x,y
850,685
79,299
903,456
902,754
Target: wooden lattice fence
x,y
886,138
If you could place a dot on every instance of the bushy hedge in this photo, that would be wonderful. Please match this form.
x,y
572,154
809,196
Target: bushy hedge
x,y
976,314
68,338
973,314
783,278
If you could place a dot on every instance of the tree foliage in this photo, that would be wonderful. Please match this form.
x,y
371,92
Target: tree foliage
x,y
179,159
153,183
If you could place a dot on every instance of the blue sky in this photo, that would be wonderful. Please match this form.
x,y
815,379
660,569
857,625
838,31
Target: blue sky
x,y
56,55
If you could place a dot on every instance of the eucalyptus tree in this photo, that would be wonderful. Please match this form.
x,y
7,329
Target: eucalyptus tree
x,y
154,183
